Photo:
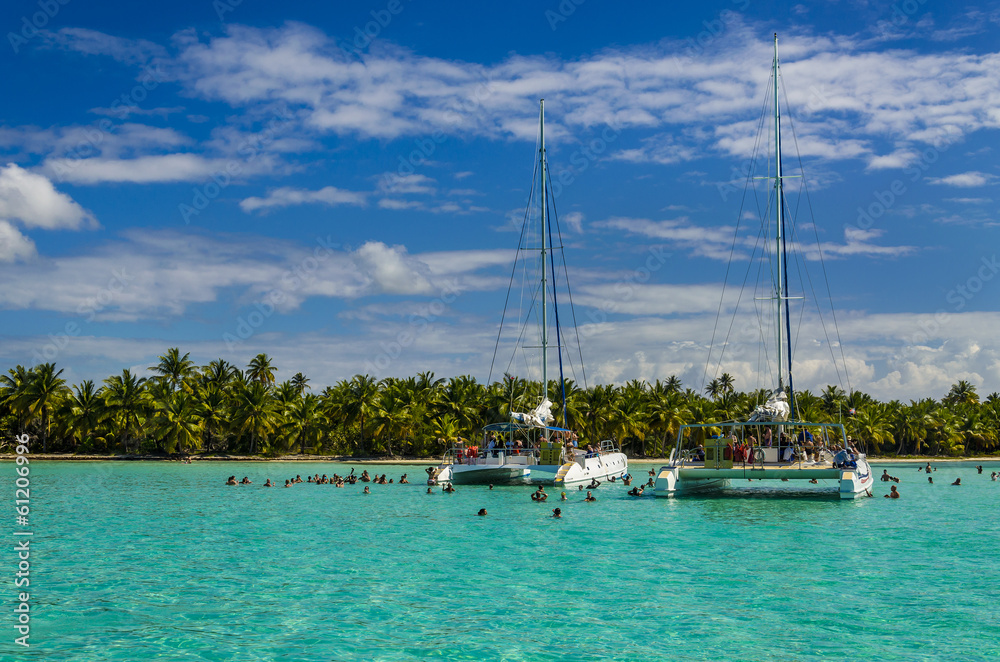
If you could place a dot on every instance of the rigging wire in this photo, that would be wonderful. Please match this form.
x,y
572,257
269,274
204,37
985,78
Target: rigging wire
x,y
819,248
732,251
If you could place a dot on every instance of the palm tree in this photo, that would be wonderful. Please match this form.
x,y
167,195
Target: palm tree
x,y
43,391
12,387
714,389
260,370
210,408
127,399
254,412
301,382
304,420
174,368
962,393
219,372
87,409
175,423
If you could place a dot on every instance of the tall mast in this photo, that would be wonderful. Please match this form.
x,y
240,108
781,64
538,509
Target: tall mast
x,y
782,275
544,200
779,221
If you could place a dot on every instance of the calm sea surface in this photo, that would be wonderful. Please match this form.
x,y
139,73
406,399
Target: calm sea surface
x,y
143,561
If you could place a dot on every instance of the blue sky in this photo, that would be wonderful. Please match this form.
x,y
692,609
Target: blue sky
x,y
262,177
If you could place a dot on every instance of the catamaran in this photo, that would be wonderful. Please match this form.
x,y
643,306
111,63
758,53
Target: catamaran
x,y
772,443
529,447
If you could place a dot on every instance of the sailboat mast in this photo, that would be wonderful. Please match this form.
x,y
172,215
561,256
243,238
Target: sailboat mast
x,y
544,201
779,221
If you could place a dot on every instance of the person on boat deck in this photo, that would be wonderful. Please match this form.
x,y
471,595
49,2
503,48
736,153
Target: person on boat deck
x,y
893,493
491,445
699,453
808,446
767,438
590,497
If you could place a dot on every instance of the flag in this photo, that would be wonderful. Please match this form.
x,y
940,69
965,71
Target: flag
x,y
851,411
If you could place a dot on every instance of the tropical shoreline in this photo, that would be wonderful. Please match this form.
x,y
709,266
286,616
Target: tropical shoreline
x,y
58,457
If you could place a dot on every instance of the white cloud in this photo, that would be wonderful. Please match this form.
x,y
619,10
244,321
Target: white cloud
x,y
574,221
286,196
14,246
392,270
32,200
964,180
140,170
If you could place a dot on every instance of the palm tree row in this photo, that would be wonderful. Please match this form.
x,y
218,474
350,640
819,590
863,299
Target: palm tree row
x,y
216,408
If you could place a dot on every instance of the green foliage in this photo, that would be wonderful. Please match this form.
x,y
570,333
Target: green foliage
x,y
217,408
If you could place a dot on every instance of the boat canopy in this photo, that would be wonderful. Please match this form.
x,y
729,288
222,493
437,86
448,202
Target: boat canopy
x,y
511,426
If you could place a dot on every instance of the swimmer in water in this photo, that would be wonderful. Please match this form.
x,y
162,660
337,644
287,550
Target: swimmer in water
x,y
246,481
893,494
590,497
482,512
930,479
402,480
288,483
231,480
449,488
635,491
430,490
958,481
563,496
367,491
814,481
557,513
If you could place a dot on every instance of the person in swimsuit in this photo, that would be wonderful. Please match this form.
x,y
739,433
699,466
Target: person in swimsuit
x,y
482,512
590,497
231,480
893,493
557,513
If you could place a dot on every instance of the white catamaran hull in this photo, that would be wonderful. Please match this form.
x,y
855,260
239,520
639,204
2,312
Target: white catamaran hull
x,y
462,474
601,468
681,481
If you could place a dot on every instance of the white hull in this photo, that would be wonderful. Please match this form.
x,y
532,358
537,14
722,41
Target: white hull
x,y
681,481
601,468
465,474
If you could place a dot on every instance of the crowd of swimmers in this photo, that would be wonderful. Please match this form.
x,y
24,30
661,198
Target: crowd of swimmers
x,y
540,495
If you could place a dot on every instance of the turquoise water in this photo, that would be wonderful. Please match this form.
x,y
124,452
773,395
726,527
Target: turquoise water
x,y
143,561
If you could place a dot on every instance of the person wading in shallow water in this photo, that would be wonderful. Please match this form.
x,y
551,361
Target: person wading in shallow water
x,y
893,493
